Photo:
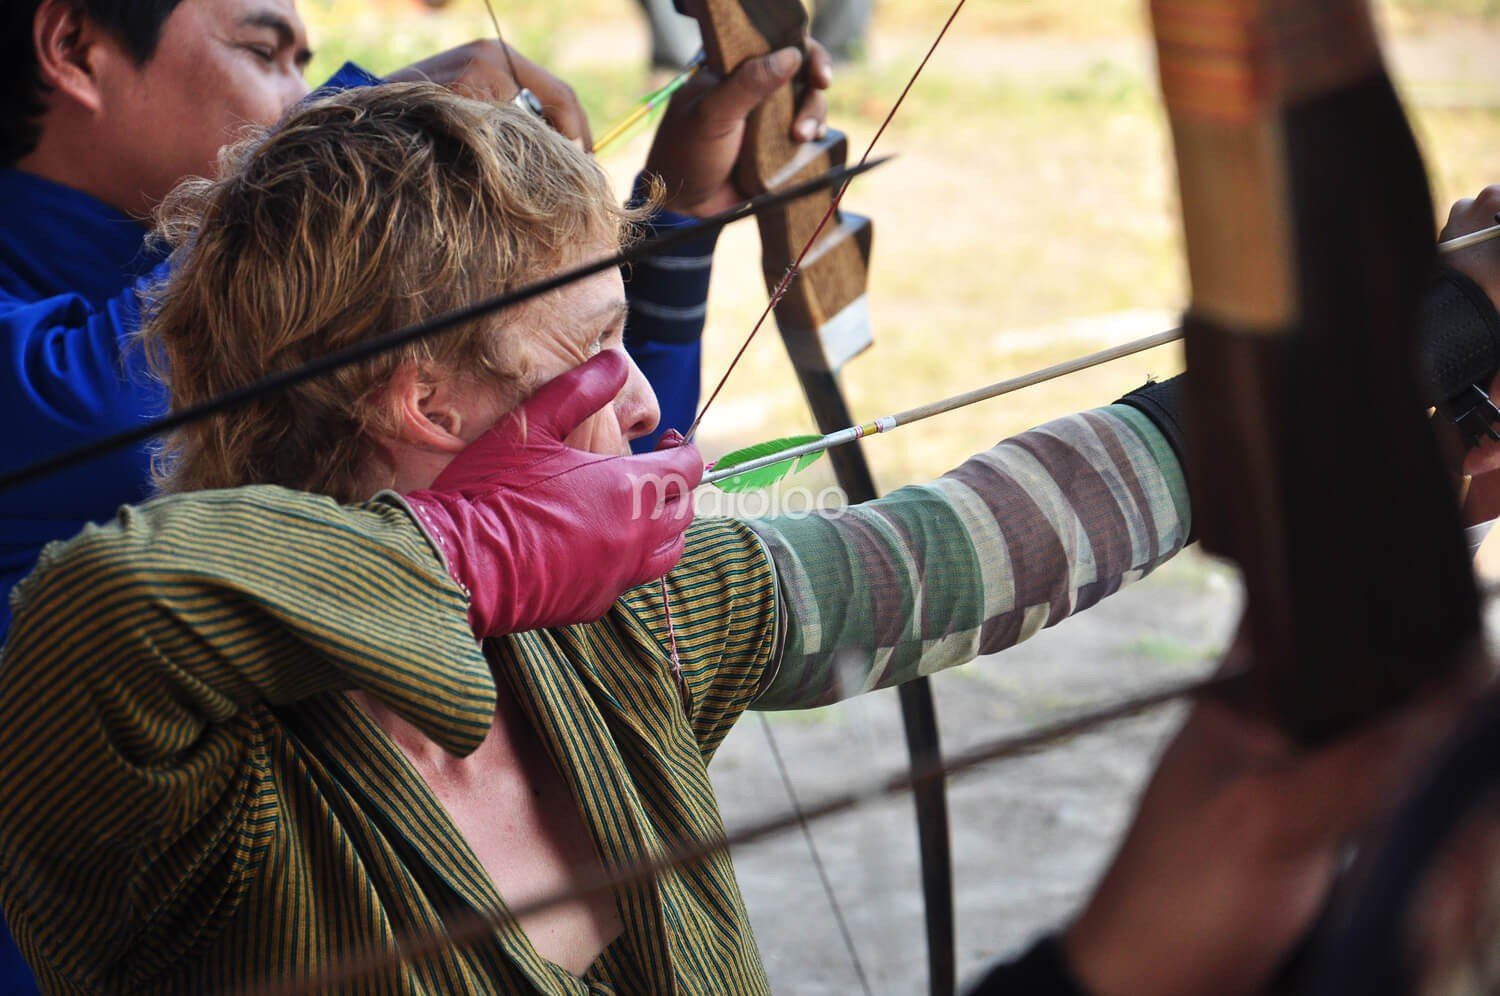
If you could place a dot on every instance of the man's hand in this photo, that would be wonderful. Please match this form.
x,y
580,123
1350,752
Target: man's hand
x,y
1482,262
540,534
1234,847
698,142
481,70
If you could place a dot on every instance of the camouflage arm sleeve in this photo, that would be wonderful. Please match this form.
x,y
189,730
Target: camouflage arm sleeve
x,y
1017,538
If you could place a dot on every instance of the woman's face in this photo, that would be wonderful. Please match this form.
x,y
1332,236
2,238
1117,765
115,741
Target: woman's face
x,y
558,332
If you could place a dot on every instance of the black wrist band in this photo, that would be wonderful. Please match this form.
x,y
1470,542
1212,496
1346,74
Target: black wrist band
x,y
1460,336
1458,352
1161,402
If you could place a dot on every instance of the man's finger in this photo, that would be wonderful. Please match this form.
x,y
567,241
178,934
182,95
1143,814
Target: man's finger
x,y
750,84
559,101
819,65
562,108
812,117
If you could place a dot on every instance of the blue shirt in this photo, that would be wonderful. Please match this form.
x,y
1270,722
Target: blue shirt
x,y
664,330
668,297
70,270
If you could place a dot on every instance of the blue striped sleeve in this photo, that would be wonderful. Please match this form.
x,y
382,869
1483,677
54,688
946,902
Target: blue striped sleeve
x,y
664,334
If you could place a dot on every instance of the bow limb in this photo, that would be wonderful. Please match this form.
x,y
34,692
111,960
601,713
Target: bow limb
x,y
823,318
1305,431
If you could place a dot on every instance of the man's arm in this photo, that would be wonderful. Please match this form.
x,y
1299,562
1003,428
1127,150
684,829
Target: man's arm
x,y
1020,537
68,373
135,688
693,157
668,298
68,376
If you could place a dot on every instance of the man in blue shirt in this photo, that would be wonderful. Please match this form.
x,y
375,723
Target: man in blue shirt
x,y
106,104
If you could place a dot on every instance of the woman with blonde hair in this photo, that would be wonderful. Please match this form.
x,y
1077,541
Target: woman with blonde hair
x,y
295,723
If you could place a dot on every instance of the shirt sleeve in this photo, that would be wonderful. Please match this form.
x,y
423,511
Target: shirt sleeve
x,y
137,685
71,366
668,298
68,377
721,613
1018,538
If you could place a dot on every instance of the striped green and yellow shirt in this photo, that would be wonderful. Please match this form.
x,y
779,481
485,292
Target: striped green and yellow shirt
x,y
189,803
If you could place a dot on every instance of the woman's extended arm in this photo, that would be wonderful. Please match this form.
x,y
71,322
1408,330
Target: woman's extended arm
x,y
1017,538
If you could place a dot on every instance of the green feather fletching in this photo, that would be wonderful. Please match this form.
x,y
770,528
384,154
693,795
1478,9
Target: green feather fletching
x,y
765,476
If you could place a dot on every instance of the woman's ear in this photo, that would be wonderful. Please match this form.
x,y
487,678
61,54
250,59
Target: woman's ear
x,y
68,45
426,413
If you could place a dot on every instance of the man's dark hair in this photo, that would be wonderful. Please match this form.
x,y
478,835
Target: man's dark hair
x,y
136,24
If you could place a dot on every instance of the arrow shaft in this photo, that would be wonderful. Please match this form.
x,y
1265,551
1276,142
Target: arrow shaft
x,y
649,103
889,422
1472,239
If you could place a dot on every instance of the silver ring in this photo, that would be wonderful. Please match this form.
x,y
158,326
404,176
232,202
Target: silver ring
x,y
528,101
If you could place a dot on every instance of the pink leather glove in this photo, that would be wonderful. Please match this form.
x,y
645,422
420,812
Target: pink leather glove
x,y
540,534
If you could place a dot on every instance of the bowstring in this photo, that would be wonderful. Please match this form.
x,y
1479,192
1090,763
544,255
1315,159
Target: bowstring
x,y
773,299
676,660
795,269
817,857
510,63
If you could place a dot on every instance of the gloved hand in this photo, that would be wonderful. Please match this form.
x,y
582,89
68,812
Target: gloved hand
x,y
540,534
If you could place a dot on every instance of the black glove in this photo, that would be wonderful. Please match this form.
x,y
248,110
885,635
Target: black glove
x,y
1458,352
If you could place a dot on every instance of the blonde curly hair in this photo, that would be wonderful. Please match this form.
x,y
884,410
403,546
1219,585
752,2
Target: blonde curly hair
x,y
356,215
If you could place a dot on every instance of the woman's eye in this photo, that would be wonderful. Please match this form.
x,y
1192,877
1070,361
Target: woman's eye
x,y
264,53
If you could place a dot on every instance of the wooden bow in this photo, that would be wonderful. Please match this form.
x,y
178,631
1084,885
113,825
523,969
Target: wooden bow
x,y
1309,238
824,321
